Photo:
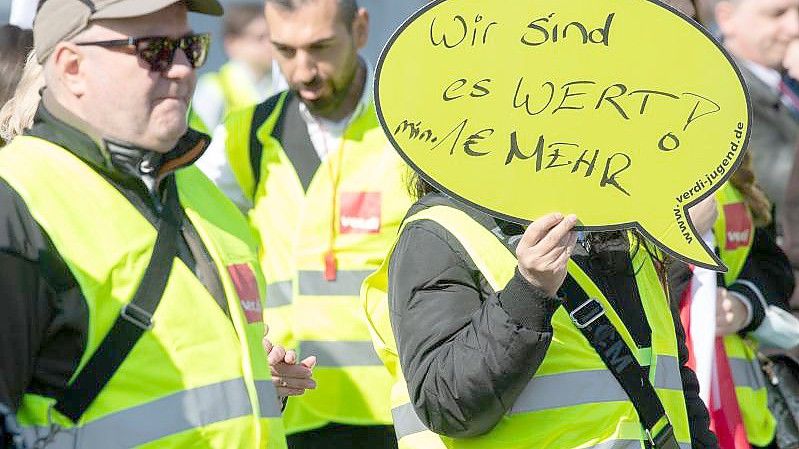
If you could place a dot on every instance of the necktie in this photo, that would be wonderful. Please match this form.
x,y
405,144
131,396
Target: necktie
x,y
789,95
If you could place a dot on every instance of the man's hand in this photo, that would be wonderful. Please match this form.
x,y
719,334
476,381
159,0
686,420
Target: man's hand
x,y
731,313
289,377
704,215
544,251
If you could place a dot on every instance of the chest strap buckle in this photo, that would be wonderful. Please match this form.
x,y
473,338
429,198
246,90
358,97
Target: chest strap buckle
x,y
587,313
137,316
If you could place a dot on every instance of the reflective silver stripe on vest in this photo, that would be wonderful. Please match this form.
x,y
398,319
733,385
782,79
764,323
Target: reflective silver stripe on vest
x,y
563,390
340,354
667,374
347,283
278,294
407,422
587,387
269,405
154,420
746,373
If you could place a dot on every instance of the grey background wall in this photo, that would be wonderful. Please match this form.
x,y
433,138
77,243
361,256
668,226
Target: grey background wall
x,y
386,16
5,10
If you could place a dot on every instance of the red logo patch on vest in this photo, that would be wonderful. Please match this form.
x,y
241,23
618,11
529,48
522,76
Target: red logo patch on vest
x,y
360,213
739,226
247,288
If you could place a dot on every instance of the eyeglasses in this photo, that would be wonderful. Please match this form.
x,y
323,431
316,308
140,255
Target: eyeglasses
x,y
159,51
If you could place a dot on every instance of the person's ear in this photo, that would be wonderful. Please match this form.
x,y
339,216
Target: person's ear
x,y
67,60
360,28
724,11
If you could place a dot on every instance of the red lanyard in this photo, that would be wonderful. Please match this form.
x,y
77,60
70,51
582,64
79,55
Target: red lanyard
x,y
331,263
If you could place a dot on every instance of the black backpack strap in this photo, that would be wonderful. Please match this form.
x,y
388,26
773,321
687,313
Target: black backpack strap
x,y
135,317
588,315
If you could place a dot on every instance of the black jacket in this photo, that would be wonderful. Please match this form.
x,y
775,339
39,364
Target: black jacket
x,y
765,279
43,314
467,352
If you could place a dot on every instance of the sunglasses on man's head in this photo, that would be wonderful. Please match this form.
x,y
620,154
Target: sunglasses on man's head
x,y
159,51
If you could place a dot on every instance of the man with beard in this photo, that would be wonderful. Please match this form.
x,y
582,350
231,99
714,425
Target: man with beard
x,y
327,197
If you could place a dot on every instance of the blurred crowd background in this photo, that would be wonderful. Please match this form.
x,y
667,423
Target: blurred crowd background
x,y
386,16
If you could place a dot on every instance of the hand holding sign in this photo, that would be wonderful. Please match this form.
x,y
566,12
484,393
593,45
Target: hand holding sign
x,y
621,112
545,249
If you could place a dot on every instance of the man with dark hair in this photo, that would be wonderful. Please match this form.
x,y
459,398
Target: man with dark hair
x,y
246,79
328,196
347,9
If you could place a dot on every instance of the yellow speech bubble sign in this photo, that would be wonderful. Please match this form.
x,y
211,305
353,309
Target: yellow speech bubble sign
x,y
623,112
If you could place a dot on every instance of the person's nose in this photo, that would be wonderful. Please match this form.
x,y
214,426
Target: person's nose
x,y
306,70
181,66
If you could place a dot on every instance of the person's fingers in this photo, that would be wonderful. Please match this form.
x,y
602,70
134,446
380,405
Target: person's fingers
x,y
293,371
309,362
285,392
721,320
566,245
277,355
572,241
267,344
555,236
538,229
291,357
563,259
726,306
296,384
549,261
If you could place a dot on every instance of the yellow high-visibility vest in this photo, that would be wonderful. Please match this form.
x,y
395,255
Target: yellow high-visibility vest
x,y
573,401
735,231
197,378
353,205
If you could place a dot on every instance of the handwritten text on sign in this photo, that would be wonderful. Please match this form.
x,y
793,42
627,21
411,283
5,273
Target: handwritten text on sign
x,y
620,111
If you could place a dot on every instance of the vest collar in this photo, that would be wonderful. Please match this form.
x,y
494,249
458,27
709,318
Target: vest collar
x,y
118,159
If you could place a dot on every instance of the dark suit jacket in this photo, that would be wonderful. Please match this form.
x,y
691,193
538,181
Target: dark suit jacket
x,y
774,137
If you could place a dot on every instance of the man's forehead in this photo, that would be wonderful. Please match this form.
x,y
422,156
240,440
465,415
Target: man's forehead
x,y
170,21
307,23
320,12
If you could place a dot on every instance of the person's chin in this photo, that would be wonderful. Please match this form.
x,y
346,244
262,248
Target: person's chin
x,y
168,134
168,106
320,105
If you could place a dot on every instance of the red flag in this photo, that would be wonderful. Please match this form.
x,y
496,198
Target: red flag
x,y
725,415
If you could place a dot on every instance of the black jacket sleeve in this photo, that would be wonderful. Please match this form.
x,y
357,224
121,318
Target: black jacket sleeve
x,y
466,351
42,312
765,279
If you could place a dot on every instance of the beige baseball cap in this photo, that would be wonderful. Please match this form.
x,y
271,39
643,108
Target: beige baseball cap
x,y
59,20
